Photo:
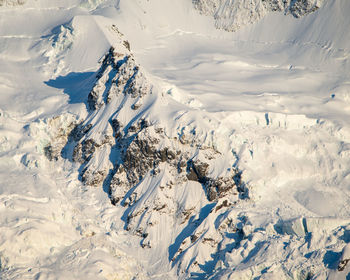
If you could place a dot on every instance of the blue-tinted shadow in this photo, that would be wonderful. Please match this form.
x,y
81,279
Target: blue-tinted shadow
x,y
77,85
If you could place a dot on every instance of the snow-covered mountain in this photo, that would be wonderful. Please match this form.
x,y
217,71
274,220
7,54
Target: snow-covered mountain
x,y
231,15
138,141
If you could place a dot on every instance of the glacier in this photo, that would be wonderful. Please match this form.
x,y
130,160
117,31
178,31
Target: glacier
x,y
145,140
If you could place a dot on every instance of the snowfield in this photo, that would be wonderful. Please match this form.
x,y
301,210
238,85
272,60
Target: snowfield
x,y
142,140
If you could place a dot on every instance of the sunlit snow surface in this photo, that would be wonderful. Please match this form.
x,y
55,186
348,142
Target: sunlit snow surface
x,y
278,91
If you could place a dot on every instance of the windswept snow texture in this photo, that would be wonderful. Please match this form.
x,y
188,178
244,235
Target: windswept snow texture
x,y
184,152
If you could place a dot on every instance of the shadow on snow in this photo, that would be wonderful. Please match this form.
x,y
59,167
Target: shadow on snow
x,y
77,85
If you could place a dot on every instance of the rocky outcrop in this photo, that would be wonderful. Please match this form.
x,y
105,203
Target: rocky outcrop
x,y
161,178
231,15
12,2
145,153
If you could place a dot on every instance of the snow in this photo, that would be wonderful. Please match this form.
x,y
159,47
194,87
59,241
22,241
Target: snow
x,y
273,98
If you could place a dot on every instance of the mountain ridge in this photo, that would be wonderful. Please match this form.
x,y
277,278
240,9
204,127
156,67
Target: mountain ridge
x,y
182,152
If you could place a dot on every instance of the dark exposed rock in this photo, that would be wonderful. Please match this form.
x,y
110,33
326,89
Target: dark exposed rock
x,y
214,187
124,154
275,5
197,171
223,204
342,264
94,178
78,154
194,238
50,153
192,176
88,148
231,15
201,169
127,44
59,137
138,149
78,132
92,100
12,2
299,8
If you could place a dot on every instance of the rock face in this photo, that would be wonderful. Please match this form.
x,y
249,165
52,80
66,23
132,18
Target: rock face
x,y
165,177
11,2
162,165
231,15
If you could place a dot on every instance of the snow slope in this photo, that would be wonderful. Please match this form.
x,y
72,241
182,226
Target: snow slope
x,y
268,105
